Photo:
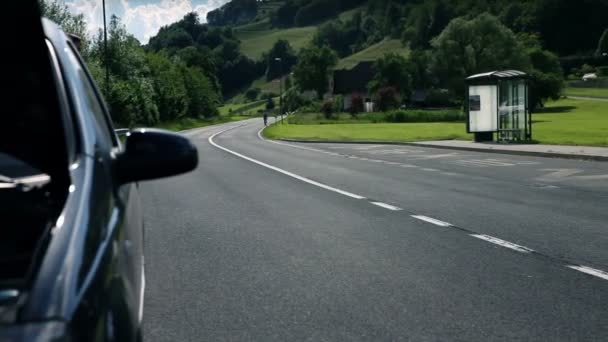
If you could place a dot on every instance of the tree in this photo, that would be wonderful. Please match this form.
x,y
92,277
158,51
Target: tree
x,y
467,47
270,103
327,108
546,77
356,104
392,70
169,87
312,70
276,68
285,15
315,11
602,46
71,23
202,98
131,95
252,94
387,98
288,82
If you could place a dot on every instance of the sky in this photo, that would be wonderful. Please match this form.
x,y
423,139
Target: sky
x,y
142,18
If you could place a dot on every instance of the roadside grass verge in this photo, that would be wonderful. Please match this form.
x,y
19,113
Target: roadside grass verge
x,y
572,122
587,92
399,132
188,123
562,122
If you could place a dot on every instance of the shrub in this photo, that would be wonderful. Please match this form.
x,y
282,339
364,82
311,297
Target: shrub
x,y
387,98
252,94
356,105
438,98
327,108
421,116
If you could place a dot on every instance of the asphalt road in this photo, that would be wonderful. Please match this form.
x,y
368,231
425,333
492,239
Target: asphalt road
x,y
273,241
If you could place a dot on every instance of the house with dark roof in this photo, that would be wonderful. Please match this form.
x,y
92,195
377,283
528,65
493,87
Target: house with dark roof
x,y
346,82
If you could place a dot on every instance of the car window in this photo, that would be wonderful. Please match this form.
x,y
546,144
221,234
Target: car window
x,y
92,100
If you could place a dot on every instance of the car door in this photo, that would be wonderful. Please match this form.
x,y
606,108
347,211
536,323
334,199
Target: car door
x,y
112,272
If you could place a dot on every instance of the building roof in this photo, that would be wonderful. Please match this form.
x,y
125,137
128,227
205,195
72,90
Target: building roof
x,y
498,75
347,81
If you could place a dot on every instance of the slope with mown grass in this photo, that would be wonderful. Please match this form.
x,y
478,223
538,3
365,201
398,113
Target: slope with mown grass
x,y
373,52
256,42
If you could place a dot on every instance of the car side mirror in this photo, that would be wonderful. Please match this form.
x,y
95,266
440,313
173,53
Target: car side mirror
x,y
154,153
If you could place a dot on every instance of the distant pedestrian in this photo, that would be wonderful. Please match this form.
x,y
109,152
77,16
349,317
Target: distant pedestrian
x,y
265,119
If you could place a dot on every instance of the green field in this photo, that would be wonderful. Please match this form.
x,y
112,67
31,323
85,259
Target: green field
x,y
187,123
587,92
256,42
572,122
373,52
370,132
562,122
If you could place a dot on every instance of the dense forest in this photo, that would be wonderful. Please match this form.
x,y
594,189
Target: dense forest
x,y
189,67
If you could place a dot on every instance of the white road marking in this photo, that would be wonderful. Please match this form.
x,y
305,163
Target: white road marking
x,y
437,156
470,163
285,172
286,144
590,271
558,174
386,206
592,177
503,243
408,166
429,169
432,220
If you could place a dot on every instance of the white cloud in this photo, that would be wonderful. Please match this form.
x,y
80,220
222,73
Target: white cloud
x,y
144,20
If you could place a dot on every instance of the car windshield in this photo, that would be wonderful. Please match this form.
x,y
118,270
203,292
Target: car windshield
x,y
369,169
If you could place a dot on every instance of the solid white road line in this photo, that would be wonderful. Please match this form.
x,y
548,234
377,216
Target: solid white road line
x,y
503,243
432,220
590,271
287,173
386,206
286,144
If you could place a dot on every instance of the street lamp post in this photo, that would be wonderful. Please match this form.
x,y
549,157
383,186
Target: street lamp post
x,y
280,89
105,48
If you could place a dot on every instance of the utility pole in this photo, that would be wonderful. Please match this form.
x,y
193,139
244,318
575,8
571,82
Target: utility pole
x,y
280,88
105,47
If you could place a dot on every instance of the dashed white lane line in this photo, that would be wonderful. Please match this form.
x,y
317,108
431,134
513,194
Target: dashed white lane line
x,y
591,271
432,220
285,172
386,206
503,243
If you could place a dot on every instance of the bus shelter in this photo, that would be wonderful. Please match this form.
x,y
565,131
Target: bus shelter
x,y
498,105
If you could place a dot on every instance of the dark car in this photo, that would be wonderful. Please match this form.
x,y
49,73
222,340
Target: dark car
x,y
71,251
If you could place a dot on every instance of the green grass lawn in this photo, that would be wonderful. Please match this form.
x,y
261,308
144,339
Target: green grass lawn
x,y
240,108
572,122
370,132
373,52
587,92
187,123
255,42
225,109
562,122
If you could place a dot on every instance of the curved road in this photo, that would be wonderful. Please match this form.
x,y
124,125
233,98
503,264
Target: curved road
x,y
274,241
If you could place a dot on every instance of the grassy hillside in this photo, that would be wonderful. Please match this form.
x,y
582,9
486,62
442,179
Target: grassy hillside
x,y
373,52
255,42
259,36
